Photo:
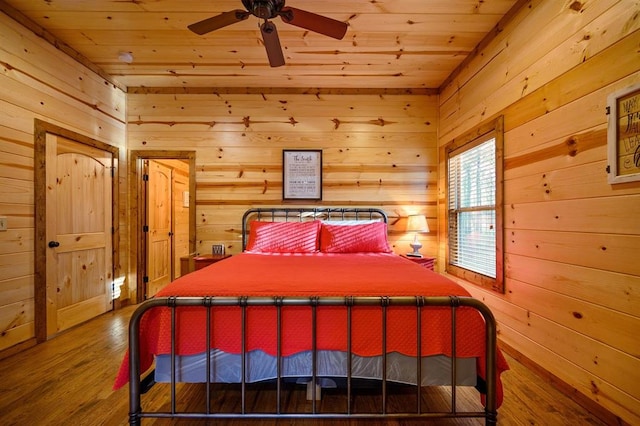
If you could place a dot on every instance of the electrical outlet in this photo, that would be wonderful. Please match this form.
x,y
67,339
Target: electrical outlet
x,y
3,223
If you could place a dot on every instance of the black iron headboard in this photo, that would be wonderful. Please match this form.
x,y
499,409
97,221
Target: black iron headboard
x,y
290,214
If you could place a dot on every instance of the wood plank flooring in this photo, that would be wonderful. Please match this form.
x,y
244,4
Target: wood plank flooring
x,y
68,381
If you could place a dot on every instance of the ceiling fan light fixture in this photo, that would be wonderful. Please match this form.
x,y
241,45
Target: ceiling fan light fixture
x,y
264,9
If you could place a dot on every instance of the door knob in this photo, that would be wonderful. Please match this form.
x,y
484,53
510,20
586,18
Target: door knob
x,y
53,244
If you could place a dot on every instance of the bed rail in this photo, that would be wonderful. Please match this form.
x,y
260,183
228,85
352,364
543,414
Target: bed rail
x,y
136,414
301,214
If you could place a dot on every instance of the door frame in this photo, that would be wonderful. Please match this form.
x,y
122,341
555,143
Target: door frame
x,y
137,205
41,129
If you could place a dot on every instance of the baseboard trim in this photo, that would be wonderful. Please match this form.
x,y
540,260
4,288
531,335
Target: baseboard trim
x,y
17,348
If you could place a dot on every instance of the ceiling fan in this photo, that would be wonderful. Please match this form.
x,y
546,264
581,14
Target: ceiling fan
x,y
269,9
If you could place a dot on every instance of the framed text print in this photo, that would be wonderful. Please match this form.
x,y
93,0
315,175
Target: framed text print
x,y
302,174
623,135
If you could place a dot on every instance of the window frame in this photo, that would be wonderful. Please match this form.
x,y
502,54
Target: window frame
x,y
493,129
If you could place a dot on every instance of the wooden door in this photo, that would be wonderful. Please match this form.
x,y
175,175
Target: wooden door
x,y
79,263
180,218
159,235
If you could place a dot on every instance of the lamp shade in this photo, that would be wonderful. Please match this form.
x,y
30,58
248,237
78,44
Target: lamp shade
x,y
417,223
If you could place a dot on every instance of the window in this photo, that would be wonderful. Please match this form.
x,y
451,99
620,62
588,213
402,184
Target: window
x,y
474,207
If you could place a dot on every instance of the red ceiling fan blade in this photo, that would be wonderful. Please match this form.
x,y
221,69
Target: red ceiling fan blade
x,y
316,23
272,44
219,21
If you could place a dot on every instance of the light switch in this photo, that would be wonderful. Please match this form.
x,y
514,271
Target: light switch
x,y
3,223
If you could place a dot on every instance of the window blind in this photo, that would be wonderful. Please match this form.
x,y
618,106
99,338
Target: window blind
x,y
472,208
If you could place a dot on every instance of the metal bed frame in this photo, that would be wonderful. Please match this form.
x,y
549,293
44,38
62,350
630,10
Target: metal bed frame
x,y
137,386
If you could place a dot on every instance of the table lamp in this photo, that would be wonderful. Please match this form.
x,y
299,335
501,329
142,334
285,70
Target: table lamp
x,y
416,223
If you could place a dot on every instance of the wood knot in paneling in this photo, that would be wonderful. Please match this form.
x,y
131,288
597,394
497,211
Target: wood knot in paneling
x,y
379,122
572,146
576,6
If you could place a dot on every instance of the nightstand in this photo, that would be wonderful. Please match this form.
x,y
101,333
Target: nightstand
x,y
207,259
194,263
426,262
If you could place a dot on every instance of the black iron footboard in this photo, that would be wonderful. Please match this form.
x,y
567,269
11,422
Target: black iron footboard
x,y
135,386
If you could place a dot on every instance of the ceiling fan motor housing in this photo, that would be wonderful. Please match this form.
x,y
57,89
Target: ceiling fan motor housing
x,y
264,9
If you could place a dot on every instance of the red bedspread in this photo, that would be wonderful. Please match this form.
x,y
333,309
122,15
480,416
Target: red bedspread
x,y
313,275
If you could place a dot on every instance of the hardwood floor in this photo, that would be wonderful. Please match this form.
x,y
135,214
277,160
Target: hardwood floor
x,y
68,381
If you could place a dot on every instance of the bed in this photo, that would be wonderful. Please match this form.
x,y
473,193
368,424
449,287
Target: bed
x,y
316,297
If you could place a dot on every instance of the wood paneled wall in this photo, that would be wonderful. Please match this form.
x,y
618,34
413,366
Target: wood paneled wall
x,y
38,81
572,241
378,150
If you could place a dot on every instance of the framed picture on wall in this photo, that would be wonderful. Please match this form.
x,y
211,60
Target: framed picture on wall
x,y
623,135
302,174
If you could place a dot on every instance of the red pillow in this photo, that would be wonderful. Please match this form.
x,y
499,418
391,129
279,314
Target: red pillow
x,y
283,237
366,238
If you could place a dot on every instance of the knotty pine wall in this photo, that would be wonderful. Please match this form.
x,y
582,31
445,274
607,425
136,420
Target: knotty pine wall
x,y
572,241
378,150
38,81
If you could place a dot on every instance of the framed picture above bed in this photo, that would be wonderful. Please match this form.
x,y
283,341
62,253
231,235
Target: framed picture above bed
x,y
302,174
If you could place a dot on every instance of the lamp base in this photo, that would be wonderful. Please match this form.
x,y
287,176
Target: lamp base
x,y
416,246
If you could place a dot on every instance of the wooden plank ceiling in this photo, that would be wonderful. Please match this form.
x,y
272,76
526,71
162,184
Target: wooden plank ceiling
x,y
390,44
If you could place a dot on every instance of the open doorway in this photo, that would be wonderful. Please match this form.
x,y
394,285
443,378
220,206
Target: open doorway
x,y
163,196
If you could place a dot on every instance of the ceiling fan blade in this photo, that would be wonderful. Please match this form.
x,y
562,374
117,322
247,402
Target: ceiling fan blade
x,y
316,23
272,44
219,21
